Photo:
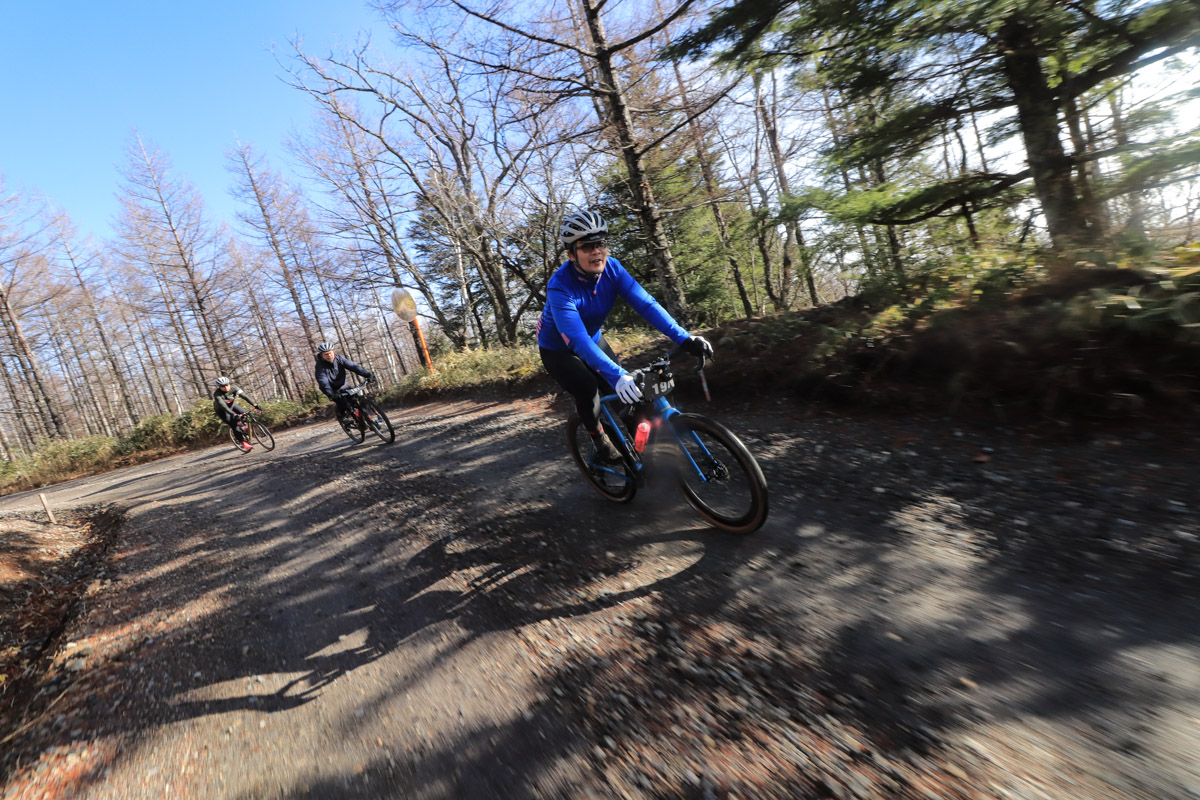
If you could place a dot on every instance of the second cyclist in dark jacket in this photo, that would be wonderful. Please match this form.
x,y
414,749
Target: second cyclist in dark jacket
x,y
330,373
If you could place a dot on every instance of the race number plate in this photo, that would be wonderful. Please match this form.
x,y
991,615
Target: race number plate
x,y
658,388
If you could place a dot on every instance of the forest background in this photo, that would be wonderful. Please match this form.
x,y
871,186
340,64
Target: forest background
x,y
820,183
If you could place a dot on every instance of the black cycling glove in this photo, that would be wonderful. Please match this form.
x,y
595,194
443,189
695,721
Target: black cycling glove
x,y
698,347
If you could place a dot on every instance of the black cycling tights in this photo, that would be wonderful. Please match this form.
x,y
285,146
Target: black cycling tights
x,y
235,411
578,379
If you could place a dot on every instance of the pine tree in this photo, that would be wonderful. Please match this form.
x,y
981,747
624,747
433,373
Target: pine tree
x,y
1029,63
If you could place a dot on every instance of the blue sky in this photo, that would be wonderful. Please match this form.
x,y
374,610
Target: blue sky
x,y
79,77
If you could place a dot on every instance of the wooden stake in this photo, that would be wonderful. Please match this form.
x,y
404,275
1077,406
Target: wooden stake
x,y
424,350
46,506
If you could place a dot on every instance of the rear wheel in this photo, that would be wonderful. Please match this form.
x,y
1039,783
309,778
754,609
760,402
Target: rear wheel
x,y
614,481
236,438
719,477
378,422
262,435
351,425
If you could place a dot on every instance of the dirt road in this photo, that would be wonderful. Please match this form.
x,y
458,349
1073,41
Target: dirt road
x,y
930,611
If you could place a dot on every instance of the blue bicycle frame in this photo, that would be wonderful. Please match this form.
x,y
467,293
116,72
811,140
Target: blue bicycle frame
x,y
662,414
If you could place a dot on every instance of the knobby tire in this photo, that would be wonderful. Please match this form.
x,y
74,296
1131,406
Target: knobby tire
x,y
383,429
617,485
262,435
237,442
351,425
735,497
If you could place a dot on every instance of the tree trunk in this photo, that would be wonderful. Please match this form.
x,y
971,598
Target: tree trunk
x,y
334,320
746,192
834,125
661,258
493,284
143,353
470,320
1092,209
791,228
83,385
183,258
1037,114
27,436
1134,231
891,233
963,167
762,231
710,188
106,347
264,333
399,351
47,408
6,447
179,325
270,232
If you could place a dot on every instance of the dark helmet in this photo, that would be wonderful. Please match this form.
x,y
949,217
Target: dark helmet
x,y
222,381
583,226
324,347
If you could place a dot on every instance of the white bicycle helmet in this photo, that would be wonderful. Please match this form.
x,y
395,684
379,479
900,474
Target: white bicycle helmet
x,y
324,347
222,381
583,226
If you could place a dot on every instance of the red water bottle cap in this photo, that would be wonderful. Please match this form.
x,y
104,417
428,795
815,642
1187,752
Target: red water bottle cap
x,y
642,435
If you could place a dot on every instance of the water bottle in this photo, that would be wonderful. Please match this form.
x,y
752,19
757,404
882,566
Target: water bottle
x,y
642,435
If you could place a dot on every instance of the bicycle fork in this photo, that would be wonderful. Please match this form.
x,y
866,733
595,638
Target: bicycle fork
x,y
688,443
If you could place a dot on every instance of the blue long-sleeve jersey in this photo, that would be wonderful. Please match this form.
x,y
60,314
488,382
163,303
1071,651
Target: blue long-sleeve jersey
x,y
577,305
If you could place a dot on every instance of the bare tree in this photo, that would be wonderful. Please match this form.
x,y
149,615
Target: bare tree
x,y
163,230
267,344
462,157
712,190
570,58
274,217
22,253
794,241
76,265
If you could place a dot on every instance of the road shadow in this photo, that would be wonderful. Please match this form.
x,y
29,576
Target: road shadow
x,y
801,652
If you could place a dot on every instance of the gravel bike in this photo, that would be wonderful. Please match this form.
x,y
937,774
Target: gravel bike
x,y
363,415
250,425
718,476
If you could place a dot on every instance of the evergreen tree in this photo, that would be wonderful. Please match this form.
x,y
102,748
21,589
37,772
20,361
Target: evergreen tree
x,y
917,67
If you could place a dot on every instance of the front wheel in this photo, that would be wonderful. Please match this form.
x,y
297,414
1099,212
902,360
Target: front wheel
x,y
378,422
262,435
718,475
613,481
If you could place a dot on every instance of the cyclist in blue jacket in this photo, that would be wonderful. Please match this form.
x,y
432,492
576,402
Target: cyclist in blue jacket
x,y
330,372
579,296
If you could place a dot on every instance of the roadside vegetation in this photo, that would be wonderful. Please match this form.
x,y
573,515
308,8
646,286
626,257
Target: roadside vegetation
x,y
998,336
1007,337
896,217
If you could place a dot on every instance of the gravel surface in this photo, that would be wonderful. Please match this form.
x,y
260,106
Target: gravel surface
x,y
933,610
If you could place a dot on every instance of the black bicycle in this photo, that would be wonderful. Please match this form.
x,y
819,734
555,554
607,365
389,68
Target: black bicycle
x,y
249,426
716,472
362,415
